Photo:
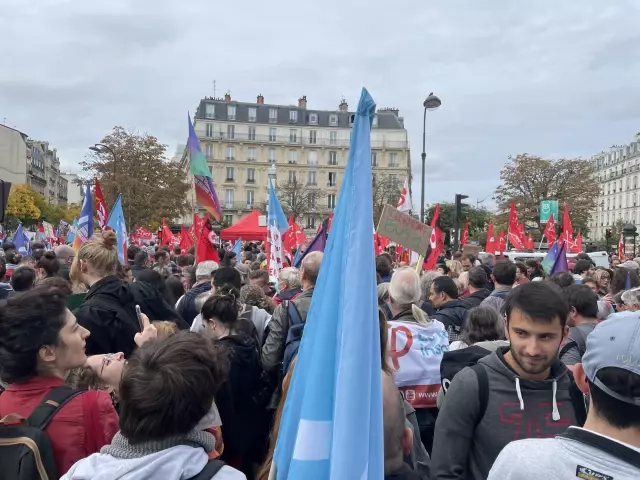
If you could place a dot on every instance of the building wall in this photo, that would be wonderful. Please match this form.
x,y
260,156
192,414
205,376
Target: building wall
x,y
13,156
618,171
74,191
240,152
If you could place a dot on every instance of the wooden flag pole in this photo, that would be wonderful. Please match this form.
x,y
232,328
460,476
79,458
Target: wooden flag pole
x,y
419,264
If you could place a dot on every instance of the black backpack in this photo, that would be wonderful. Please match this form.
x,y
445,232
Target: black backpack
x,y
295,328
26,452
209,471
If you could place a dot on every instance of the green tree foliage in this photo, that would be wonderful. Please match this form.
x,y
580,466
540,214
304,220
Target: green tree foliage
x,y
478,219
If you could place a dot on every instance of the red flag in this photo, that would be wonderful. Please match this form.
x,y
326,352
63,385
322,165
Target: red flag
x,y
621,247
436,242
380,242
550,231
205,248
491,246
40,227
576,246
502,243
465,235
514,229
101,207
530,245
523,235
294,237
567,229
186,240
167,235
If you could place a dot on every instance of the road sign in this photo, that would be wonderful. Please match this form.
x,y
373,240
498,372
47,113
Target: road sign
x,y
548,207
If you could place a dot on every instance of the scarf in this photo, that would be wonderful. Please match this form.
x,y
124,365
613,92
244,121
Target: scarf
x,y
121,448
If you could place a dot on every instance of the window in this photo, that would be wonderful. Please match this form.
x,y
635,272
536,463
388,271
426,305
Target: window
x,y
313,136
228,198
251,154
210,110
634,199
231,132
293,135
229,174
311,221
331,201
250,198
333,119
333,179
228,219
374,159
293,156
209,130
393,162
312,177
272,155
292,176
231,152
208,148
333,158
293,116
313,118
312,159
253,113
273,132
393,179
333,137
252,133
312,199
251,175
635,181
375,121
231,112
273,115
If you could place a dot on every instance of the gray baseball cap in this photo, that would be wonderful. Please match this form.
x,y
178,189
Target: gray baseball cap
x,y
614,343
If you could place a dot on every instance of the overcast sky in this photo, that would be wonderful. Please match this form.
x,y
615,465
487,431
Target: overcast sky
x,y
547,77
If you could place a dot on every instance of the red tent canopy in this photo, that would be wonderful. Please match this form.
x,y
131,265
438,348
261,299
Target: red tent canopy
x,y
246,228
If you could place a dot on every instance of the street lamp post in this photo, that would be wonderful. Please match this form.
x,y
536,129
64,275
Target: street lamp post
x,y
431,103
100,148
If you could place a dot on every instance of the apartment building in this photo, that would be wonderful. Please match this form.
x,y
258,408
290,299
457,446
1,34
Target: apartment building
x,y
44,174
244,141
619,197
13,155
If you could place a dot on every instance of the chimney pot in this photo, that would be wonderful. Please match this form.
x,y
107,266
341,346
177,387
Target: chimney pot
x,y
302,102
344,106
227,97
260,99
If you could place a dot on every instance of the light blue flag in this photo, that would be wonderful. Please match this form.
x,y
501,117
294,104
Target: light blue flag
x,y
331,426
117,224
85,223
72,231
21,241
237,248
275,214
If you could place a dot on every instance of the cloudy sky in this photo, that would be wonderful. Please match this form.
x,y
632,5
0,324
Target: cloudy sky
x,y
546,77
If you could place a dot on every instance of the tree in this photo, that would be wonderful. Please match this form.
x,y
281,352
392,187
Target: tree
x,y
478,219
529,179
22,203
152,187
385,191
299,198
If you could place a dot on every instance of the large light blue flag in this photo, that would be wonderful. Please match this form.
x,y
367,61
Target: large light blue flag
x,y
237,248
117,224
71,234
331,426
275,214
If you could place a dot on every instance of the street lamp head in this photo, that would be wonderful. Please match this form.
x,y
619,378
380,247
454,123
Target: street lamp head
x,y
95,149
432,102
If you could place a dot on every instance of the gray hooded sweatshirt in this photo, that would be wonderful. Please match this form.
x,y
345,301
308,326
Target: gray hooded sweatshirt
x,y
465,446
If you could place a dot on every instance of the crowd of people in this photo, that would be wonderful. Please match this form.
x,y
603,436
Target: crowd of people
x,y
167,368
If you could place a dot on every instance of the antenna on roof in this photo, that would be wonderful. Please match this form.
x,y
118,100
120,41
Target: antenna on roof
x,y
214,89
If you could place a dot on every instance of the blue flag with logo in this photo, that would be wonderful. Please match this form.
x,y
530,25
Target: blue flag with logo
x,y
71,234
331,425
117,224
21,241
237,248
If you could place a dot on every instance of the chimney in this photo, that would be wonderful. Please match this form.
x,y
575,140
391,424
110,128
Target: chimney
x,y
260,100
227,96
344,106
393,110
302,102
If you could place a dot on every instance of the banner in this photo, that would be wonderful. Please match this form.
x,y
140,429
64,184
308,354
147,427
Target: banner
x,y
404,229
548,208
415,352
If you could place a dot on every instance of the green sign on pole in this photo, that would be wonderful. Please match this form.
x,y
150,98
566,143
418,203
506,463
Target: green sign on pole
x,y
547,208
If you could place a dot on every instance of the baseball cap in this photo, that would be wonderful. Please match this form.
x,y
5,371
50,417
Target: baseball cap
x,y
614,343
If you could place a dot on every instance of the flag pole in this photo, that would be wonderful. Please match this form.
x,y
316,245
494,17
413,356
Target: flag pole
x,y
419,264
540,246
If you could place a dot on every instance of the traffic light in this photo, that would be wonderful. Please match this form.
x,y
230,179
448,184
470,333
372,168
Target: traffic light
x,y
608,234
458,218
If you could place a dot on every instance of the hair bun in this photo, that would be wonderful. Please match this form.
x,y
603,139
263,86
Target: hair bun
x,y
109,239
49,255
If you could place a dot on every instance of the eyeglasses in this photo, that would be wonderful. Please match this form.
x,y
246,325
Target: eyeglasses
x,y
106,360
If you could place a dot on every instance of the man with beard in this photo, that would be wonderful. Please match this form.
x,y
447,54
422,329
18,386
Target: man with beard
x,y
520,391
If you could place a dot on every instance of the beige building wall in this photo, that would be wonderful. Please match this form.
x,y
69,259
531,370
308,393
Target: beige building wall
x,y
13,155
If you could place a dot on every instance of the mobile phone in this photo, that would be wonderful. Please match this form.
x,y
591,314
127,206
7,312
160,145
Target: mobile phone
x,y
139,314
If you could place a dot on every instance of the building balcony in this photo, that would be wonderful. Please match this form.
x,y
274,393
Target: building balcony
x,y
237,206
299,141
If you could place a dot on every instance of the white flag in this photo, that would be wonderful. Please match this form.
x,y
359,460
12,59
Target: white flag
x,y
404,204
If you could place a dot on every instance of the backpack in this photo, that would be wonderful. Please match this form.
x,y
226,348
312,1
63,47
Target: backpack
x,y
26,452
209,471
294,335
578,340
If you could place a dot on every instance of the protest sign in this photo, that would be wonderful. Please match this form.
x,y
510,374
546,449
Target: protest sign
x,y
472,249
404,230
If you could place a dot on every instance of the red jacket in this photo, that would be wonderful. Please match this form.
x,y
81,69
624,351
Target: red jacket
x,y
66,430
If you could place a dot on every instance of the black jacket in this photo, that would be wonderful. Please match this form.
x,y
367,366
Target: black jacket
x,y
108,311
452,315
136,269
239,412
474,299
187,306
428,308
64,271
404,473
